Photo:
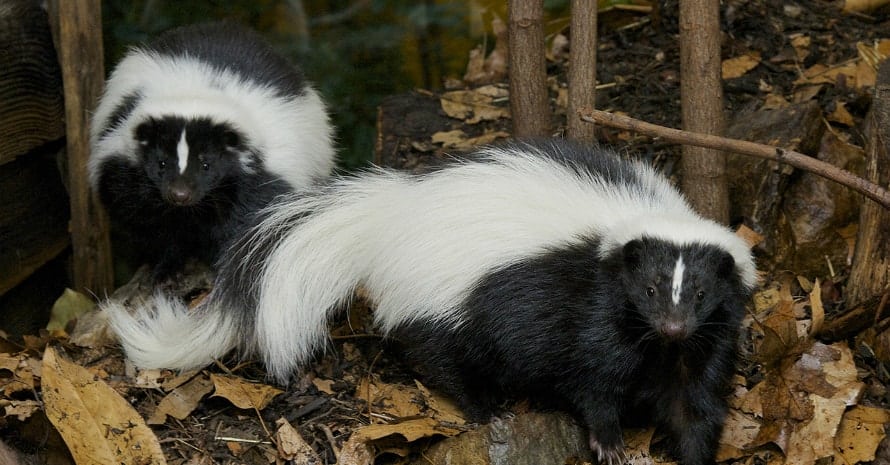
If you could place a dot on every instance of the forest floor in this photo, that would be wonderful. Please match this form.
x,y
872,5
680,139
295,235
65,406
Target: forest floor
x,y
802,395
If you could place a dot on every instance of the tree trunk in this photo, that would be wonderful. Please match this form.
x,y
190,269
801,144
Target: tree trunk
x,y
704,170
870,275
81,57
582,69
528,69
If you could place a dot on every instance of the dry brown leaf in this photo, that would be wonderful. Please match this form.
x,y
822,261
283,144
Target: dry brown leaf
x,y
411,430
395,400
841,115
242,393
292,446
636,446
443,408
738,66
22,409
458,139
22,378
817,310
180,402
860,432
98,425
472,106
801,44
323,385
356,452
774,102
806,93
851,6
739,431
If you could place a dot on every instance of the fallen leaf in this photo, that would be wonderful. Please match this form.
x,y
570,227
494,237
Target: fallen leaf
x,y
443,408
70,305
841,115
323,385
860,433
739,431
860,6
472,106
816,309
21,379
242,393
395,400
180,402
356,452
801,44
22,409
97,424
738,66
411,430
292,446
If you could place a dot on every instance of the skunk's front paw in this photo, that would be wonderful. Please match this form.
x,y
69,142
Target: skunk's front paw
x,y
607,454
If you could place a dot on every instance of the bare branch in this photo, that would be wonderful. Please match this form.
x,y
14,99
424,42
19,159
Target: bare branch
x,y
795,159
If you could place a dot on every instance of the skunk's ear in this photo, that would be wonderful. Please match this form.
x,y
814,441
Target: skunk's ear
x,y
231,139
725,265
145,132
633,253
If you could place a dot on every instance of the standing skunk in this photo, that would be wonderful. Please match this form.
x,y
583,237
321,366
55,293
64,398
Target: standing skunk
x,y
541,269
198,129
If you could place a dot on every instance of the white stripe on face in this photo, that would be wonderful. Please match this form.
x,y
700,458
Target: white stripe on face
x,y
182,152
677,283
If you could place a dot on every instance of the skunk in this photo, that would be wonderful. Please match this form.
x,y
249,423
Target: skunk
x,y
195,131
543,269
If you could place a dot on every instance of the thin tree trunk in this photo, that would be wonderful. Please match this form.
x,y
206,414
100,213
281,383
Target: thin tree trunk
x,y
582,69
81,60
870,274
704,173
528,69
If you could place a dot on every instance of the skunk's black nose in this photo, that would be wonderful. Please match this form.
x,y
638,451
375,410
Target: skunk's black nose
x,y
179,195
674,330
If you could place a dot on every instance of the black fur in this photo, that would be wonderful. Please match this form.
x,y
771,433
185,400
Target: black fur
x,y
173,216
571,330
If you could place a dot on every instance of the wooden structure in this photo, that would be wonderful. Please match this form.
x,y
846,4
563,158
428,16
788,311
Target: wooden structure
x,y
34,205
47,213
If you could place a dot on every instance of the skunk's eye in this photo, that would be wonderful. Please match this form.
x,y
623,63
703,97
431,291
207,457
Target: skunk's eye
x,y
206,166
650,291
162,164
700,295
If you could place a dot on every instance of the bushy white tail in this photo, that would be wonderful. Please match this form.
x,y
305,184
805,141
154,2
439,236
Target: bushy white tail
x,y
164,333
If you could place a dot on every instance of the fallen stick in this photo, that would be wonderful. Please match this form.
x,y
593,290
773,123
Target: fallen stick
x,y
795,159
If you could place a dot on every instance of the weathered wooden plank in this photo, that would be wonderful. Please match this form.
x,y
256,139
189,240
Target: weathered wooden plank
x,y
79,40
33,217
31,104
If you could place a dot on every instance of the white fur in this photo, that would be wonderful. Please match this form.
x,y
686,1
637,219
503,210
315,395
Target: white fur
x,y
293,135
182,153
677,281
418,245
165,334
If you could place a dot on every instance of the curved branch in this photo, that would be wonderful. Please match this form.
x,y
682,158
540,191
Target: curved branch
x,y
795,159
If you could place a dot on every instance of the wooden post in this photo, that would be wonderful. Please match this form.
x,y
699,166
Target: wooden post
x,y
582,69
870,274
701,91
528,69
83,74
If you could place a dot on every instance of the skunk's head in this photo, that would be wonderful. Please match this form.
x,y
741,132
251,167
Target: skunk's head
x,y
188,158
676,292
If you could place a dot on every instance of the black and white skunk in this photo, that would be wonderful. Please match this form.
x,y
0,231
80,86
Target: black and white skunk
x,y
198,129
541,269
